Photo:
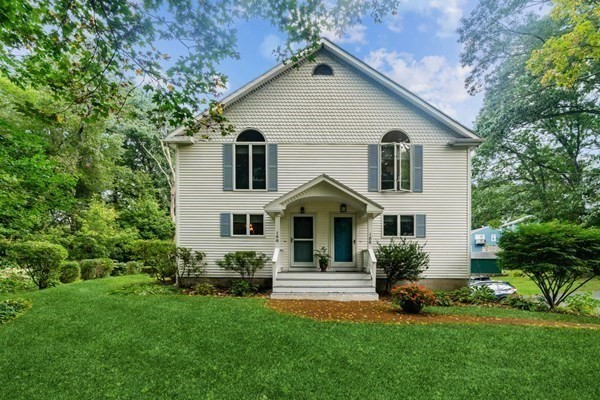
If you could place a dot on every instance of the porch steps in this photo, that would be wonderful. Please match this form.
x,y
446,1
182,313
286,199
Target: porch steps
x,y
338,286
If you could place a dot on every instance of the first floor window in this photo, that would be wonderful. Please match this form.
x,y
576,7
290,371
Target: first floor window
x,y
248,225
398,225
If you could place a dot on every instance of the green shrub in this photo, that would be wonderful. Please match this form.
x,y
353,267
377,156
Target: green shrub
x,y
87,247
442,298
403,261
14,280
11,309
583,303
41,260
205,289
242,288
133,267
191,263
96,268
5,260
69,272
159,257
477,295
559,258
523,303
245,263
119,269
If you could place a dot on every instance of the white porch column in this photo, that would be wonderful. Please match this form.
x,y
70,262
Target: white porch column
x,y
277,251
372,264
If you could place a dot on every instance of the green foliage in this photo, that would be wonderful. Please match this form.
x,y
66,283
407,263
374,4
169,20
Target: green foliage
x,y
323,256
148,219
11,309
554,255
442,298
245,263
477,296
205,289
403,261
84,52
147,289
412,298
96,268
191,263
69,272
583,304
241,288
539,156
41,260
14,280
159,256
133,267
523,303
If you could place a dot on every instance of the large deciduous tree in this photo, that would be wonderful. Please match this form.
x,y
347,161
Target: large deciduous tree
x,y
541,151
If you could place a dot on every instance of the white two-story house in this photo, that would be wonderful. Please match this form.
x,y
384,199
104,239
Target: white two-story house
x,y
329,154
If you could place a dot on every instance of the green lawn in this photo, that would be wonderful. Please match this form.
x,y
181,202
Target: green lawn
x,y
526,287
79,342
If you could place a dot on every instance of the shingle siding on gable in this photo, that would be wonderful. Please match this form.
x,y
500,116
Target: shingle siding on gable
x,y
344,108
324,125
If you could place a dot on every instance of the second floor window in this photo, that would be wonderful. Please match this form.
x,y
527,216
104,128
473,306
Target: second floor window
x,y
395,162
250,161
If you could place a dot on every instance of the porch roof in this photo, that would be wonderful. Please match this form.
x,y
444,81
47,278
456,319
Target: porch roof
x,y
324,187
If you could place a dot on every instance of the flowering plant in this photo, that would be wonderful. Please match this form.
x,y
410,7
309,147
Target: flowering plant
x,y
412,298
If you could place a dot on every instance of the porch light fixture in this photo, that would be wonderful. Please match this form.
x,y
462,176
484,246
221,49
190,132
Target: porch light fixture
x,y
343,208
301,210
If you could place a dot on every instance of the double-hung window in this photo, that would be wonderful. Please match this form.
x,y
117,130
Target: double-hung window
x,y
248,225
399,225
395,162
250,161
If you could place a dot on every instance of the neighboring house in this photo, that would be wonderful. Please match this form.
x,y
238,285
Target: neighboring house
x,y
330,154
484,246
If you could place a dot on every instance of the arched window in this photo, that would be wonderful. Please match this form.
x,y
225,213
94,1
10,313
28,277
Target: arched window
x,y
323,69
250,161
395,162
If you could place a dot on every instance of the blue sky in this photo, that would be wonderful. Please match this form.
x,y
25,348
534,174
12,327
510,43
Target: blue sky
x,y
417,48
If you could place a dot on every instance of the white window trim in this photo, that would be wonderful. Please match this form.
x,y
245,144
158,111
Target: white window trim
x,y
398,235
493,237
396,175
294,264
247,224
250,180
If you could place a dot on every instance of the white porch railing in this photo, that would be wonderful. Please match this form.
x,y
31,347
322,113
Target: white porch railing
x,y
370,265
276,263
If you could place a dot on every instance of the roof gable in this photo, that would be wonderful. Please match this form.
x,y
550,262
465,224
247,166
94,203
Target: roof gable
x,y
464,133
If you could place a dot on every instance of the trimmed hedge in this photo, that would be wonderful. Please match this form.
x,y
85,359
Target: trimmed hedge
x,y
96,268
69,272
41,260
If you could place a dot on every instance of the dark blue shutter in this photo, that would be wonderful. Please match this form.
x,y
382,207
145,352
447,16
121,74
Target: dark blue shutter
x,y
225,224
373,168
417,168
272,171
421,226
228,167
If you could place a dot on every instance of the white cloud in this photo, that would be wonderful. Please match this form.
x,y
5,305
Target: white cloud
x,y
446,14
354,34
433,78
268,45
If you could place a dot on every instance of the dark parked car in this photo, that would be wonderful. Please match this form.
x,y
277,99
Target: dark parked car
x,y
500,289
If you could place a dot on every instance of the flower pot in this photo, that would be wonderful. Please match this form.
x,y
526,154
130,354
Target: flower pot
x,y
323,267
411,307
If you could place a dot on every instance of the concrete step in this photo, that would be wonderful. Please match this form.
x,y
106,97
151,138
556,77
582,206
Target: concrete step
x,y
323,276
328,289
322,283
327,296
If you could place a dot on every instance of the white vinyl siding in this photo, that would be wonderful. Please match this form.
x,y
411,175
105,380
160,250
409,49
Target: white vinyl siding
x,y
325,126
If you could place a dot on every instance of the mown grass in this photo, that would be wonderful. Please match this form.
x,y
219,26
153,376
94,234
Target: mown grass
x,y
526,287
80,342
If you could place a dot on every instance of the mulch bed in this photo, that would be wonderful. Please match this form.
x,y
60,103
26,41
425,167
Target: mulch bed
x,y
386,312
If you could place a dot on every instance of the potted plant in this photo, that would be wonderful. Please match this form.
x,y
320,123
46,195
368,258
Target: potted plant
x,y
323,257
412,298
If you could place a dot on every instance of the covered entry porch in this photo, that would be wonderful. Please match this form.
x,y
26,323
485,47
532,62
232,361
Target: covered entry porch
x,y
324,214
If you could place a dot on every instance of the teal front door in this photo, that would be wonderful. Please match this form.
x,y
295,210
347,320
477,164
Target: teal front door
x,y
343,241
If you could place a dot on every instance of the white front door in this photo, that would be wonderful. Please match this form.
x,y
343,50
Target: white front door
x,y
303,240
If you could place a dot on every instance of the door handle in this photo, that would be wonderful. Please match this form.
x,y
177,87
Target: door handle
x,y
292,239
